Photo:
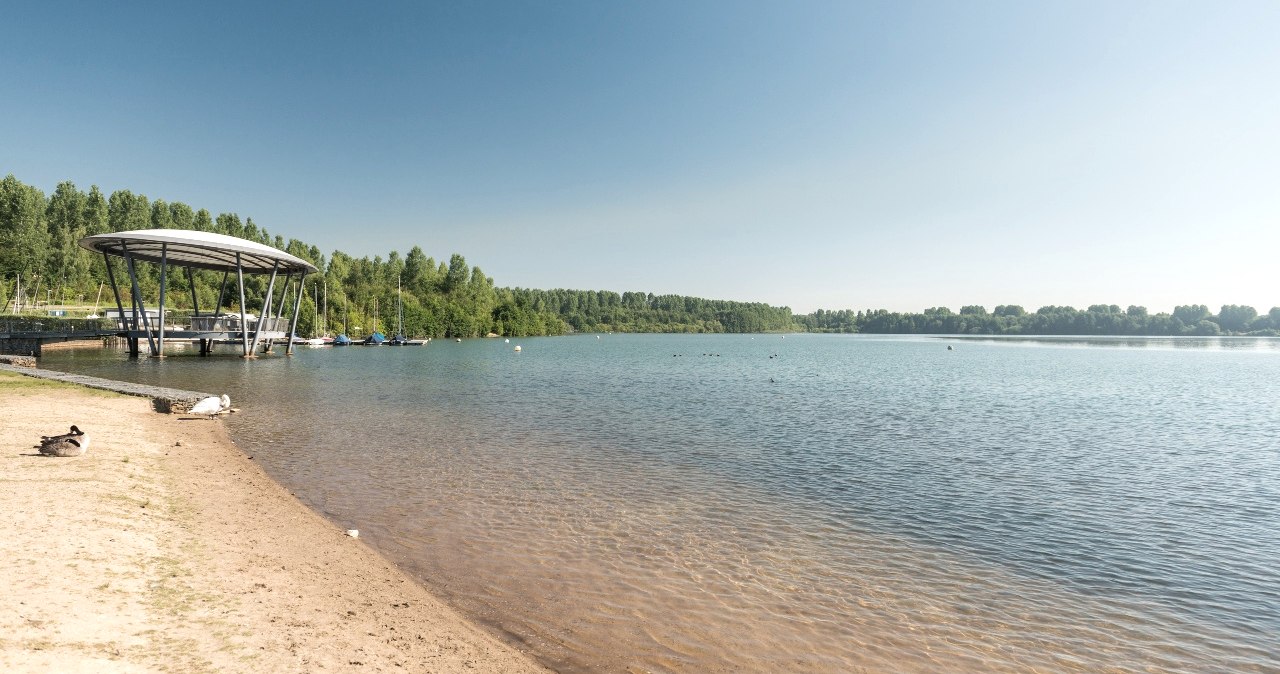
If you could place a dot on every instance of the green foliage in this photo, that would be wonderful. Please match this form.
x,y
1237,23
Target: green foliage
x,y
1010,310
39,235
1235,318
1191,313
39,239
24,233
1098,319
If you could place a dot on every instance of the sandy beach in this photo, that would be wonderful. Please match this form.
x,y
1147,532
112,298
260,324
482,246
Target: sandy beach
x,y
167,549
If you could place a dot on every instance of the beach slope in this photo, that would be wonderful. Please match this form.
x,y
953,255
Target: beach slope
x,y
166,548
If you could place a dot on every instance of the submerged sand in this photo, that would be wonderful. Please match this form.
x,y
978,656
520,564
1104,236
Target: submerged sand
x,y
166,548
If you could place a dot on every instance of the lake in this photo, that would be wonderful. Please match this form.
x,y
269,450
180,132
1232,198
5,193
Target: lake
x,y
815,503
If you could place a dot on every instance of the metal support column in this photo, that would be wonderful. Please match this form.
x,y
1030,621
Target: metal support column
x,y
244,324
164,276
138,306
111,276
222,290
279,310
115,290
284,296
297,304
195,306
265,316
195,302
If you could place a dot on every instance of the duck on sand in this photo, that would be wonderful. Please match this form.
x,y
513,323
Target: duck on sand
x,y
74,443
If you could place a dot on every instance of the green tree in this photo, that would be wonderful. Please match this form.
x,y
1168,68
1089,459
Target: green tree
x,y
1010,310
161,217
455,277
181,216
65,217
1236,318
128,211
24,237
204,221
1191,314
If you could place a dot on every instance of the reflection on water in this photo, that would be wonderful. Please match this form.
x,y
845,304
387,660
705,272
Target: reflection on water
x,y
1264,344
814,503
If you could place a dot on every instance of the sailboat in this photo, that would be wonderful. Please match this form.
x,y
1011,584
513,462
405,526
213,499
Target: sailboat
x,y
342,339
376,338
399,339
318,339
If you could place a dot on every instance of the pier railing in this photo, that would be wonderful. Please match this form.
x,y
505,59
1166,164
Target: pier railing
x,y
55,326
231,323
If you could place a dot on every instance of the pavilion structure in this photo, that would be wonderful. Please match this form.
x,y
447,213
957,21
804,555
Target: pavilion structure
x,y
189,250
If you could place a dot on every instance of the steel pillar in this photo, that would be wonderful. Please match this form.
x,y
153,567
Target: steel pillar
x,y
222,290
138,306
297,304
164,275
244,324
266,307
195,302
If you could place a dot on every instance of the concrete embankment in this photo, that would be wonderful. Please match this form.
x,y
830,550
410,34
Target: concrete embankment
x,y
163,398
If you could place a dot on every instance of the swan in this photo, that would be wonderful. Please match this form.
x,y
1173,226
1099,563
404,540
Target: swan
x,y
212,406
74,443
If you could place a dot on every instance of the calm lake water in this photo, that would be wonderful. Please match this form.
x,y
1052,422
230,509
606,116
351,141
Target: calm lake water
x,y
813,503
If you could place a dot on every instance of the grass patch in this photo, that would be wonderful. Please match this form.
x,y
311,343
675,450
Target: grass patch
x,y
11,382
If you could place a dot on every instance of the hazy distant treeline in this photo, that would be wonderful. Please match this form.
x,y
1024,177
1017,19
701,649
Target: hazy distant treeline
x,y
39,235
1098,319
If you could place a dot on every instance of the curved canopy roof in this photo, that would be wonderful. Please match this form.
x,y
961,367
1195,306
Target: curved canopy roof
x,y
202,250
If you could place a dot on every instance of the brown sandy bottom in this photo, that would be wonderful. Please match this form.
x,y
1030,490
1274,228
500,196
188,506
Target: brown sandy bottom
x,y
166,549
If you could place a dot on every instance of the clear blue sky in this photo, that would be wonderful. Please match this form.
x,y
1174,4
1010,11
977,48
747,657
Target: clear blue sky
x,y
810,154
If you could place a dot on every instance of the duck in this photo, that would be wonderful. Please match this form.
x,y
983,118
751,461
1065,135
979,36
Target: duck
x,y
74,443
212,406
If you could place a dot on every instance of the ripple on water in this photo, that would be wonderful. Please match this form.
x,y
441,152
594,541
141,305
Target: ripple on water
x,y
881,504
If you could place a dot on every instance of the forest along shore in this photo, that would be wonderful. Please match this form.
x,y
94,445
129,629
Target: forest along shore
x,y
166,548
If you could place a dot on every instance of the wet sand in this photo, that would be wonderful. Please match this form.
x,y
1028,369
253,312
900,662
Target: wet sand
x,y
166,548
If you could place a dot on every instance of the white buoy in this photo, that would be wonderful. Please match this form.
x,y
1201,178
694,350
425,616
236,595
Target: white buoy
x,y
354,533
517,347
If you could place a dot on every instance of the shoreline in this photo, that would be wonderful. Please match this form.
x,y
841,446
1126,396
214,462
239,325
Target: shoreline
x,y
166,547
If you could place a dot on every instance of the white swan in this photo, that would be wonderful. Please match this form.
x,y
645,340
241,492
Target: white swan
x,y
212,406
74,443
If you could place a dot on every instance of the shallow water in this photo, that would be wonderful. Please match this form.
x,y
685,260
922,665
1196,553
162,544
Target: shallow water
x,y
808,503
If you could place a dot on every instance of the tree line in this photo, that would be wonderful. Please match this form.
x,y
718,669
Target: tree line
x,y
1009,319
39,238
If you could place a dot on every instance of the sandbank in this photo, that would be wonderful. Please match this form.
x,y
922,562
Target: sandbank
x,y
166,548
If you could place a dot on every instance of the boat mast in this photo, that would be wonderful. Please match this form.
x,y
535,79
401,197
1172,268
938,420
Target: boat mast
x,y
99,298
399,311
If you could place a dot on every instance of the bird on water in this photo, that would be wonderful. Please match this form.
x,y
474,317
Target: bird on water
x,y
74,443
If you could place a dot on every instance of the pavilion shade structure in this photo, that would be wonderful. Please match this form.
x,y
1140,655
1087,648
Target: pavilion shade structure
x,y
199,250
213,252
